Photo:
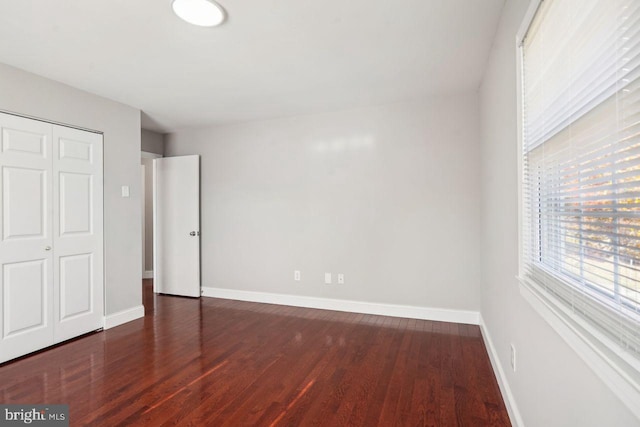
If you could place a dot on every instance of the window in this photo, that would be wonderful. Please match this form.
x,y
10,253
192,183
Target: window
x,y
581,165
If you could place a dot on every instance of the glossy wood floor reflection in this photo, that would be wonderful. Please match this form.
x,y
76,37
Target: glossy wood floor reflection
x,y
212,362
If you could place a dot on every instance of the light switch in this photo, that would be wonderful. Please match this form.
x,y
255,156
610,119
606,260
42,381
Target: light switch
x,y
125,191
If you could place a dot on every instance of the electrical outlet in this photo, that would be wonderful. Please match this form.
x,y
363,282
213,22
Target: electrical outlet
x,y
340,279
513,357
296,275
327,278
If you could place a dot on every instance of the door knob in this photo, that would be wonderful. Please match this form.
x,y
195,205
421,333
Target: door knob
x,y
194,233
47,248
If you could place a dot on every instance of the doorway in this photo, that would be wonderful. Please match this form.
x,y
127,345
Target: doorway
x,y
146,172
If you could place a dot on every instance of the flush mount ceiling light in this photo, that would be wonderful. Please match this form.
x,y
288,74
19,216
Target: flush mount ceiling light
x,y
204,13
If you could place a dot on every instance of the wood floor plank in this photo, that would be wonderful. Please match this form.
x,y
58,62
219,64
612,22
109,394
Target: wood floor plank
x,y
200,362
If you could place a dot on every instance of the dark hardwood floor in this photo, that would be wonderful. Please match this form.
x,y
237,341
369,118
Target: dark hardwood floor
x,y
213,362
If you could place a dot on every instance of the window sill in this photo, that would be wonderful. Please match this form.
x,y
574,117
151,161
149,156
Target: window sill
x,y
621,376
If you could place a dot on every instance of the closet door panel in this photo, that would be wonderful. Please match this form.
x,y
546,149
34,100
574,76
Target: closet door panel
x,y
26,299
78,256
26,241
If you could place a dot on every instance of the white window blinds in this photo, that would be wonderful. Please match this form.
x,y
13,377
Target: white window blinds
x,y
581,162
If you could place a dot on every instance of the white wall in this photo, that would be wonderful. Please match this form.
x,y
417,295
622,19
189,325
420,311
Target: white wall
x,y
151,142
31,95
389,196
552,385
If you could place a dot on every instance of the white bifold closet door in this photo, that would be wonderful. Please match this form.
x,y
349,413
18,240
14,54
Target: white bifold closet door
x,y
51,234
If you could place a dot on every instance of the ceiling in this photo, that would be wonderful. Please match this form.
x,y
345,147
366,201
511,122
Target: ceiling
x,y
271,58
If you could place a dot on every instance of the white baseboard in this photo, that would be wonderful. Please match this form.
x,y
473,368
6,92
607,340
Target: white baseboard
x,y
507,396
148,274
407,311
124,316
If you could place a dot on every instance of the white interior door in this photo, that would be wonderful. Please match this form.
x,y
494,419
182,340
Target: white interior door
x,y
78,241
26,241
176,253
51,237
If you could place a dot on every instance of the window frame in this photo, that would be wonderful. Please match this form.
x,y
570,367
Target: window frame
x,y
619,371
